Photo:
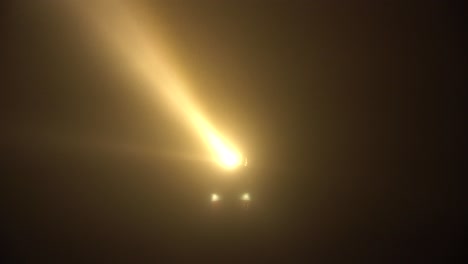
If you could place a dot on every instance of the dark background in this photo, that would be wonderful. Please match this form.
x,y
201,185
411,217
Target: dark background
x,y
347,111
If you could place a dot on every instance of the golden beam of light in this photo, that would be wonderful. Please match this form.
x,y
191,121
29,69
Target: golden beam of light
x,y
123,29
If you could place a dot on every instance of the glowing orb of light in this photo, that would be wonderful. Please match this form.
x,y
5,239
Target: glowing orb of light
x,y
214,197
245,197
225,155
230,160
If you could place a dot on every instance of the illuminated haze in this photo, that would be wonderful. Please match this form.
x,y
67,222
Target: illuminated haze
x,y
120,25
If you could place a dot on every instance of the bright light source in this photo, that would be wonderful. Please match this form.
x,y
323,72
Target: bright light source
x,y
226,155
230,160
214,197
245,197
147,56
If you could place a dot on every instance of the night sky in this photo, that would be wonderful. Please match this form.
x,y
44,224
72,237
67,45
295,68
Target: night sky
x,y
345,110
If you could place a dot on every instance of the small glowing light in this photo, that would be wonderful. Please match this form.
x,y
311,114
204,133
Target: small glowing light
x,y
245,197
214,197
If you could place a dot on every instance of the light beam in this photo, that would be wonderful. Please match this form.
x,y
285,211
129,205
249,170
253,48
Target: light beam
x,y
123,29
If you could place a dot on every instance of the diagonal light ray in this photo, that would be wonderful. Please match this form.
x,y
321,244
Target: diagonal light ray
x,y
121,27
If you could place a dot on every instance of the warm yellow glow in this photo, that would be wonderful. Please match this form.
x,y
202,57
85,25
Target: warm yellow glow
x,y
230,160
214,197
123,28
227,157
245,197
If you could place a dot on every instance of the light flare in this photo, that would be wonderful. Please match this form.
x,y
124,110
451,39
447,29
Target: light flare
x,y
214,197
147,58
245,197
